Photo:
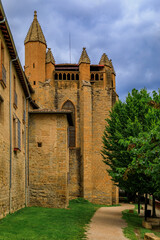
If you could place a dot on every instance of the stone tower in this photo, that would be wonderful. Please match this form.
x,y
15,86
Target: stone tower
x,y
35,53
88,91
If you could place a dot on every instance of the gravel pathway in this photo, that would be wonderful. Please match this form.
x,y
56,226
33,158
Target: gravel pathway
x,y
107,223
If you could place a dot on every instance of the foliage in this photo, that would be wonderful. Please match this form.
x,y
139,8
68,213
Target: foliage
x,y
134,226
48,223
129,137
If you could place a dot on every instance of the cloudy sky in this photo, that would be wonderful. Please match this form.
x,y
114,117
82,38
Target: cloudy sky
x,y
128,31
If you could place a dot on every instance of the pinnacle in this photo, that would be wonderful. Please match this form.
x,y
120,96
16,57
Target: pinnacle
x,y
84,57
104,60
49,57
35,14
35,33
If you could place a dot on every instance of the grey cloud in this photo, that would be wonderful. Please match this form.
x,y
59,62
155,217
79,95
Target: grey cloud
x,y
128,31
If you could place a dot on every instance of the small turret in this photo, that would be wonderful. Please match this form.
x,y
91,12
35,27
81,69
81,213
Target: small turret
x,y
50,65
49,57
104,60
84,57
35,33
84,66
35,53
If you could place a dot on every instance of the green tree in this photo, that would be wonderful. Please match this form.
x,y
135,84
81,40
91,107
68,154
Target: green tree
x,y
122,141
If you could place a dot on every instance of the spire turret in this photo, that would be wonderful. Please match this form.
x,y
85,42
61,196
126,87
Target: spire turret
x,y
84,57
35,33
104,60
49,57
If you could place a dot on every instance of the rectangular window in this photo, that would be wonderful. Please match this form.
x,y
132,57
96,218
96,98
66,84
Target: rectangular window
x,y
17,134
2,68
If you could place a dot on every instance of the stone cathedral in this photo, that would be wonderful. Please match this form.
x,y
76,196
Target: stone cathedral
x,y
56,125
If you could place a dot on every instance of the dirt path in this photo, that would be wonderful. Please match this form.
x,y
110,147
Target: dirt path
x,y
107,223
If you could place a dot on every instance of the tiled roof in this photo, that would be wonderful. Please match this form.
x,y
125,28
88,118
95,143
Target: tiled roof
x,y
49,57
84,57
52,111
35,33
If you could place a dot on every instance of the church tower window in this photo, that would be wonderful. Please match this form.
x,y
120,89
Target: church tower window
x,y
77,77
68,105
68,76
64,76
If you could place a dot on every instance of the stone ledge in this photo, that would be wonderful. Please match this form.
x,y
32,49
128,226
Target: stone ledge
x,y
146,225
150,236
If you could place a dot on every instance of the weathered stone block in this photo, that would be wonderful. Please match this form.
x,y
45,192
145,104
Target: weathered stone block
x,y
150,236
146,225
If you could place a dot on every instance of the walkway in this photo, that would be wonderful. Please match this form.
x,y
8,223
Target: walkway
x,y
107,223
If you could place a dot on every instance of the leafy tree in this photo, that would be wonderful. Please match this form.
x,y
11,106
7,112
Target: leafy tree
x,y
125,142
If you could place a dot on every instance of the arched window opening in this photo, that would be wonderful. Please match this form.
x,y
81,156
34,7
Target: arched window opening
x,y
72,76
77,76
101,76
68,76
97,77
68,105
56,76
92,77
64,76
60,76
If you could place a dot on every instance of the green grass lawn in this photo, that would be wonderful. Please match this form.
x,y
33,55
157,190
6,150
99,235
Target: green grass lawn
x,y
134,230
48,223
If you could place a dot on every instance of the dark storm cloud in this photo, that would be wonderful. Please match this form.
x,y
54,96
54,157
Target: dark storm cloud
x,y
128,31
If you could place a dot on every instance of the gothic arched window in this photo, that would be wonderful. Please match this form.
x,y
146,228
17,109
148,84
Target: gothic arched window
x,y
68,105
64,76
60,76
56,76
97,77
77,77
92,77
68,76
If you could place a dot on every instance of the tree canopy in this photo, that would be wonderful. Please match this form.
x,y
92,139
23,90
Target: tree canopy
x,y
131,142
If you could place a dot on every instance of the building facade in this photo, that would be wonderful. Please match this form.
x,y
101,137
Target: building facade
x,y
52,118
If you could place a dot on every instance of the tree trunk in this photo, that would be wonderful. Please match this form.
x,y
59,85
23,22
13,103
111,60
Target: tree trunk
x,y
153,207
139,203
145,213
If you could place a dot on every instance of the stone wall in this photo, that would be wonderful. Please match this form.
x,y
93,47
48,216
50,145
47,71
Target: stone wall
x,y
75,181
102,184
12,176
48,160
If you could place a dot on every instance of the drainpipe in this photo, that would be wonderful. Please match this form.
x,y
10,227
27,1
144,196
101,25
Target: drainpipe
x,y
26,151
10,114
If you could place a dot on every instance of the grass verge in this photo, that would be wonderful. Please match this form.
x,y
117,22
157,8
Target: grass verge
x,y
134,230
48,223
